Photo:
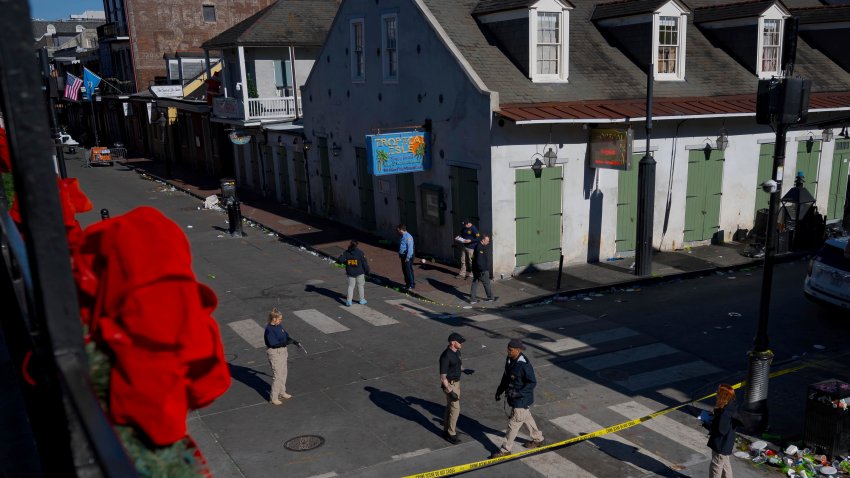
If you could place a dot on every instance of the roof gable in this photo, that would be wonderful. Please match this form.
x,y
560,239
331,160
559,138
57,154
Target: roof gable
x,y
493,6
742,10
629,8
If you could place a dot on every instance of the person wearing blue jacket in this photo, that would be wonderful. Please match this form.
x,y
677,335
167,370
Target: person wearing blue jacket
x,y
518,384
469,237
405,253
276,339
356,268
721,436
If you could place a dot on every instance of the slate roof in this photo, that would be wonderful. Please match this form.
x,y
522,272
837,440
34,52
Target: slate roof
x,y
492,6
626,8
285,22
733,11
600,71
63,27
823,14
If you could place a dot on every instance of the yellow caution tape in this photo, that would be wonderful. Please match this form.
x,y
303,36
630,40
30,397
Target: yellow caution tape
x,y
455,470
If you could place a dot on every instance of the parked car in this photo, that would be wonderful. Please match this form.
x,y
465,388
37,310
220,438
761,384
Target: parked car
x,y
828,277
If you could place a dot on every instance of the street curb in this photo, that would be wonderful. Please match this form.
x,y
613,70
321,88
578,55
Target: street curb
x,y
787,257
287,239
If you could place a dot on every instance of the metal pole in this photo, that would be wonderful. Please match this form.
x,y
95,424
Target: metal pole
x,y
94,119
646,192
560,271
50,91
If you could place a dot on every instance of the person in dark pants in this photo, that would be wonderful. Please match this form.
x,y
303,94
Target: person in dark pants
x,y
356,267
481,270
450,368
469,237
518,382
721,436
405,253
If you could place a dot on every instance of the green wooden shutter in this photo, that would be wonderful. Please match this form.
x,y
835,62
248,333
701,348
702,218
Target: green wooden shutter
x,y
283,171
538,215
367,191
407,201
464,196
527,209
299,167
627,191
550,218
808,161
713,193
838,181
327,183
765,169
695,196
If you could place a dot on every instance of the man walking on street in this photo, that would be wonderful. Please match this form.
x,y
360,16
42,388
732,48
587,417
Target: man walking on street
x,y
450,368
518,384
356,267
481,271
405,253
469,237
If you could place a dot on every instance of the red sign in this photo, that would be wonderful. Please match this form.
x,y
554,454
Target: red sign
x,y
610,148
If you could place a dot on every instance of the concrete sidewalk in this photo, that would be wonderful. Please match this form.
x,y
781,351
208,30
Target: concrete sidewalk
x,y
436,281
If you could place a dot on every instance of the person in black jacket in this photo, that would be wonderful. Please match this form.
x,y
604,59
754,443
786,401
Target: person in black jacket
x,y
481,270
356,267
518,384
721,437
276,339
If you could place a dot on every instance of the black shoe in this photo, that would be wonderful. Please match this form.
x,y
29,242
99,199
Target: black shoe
x,y
453,439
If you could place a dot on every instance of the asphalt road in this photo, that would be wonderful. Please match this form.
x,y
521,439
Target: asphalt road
x,y
369,384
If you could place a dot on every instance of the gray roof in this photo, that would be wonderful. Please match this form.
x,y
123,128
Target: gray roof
x,y
823,14
66,27
625,8
285,22
731,11
492,6
600,71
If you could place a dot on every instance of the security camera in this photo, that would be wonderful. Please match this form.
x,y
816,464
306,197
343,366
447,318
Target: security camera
x,y
769,186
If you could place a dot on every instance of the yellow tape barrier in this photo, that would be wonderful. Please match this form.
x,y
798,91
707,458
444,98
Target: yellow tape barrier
x,y
455,470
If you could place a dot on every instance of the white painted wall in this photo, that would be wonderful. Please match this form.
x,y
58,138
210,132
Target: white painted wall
x,y
346,112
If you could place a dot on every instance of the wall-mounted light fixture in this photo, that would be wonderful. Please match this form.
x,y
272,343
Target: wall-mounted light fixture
x,y
307,144
335,149
722,140
537,167
551,157
826,136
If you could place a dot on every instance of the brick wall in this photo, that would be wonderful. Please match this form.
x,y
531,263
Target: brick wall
x,y
166,26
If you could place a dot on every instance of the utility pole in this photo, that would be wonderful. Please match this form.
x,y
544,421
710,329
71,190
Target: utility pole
x,y
646,192
781,102
50,90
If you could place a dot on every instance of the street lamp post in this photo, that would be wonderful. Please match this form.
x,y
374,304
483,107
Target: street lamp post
x,y
646,192
163,130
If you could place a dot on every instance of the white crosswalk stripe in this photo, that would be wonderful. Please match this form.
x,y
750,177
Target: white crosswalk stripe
x,y
620,357
369,314
413,308
483,317
320,321
588,340
548,464
577,424
672,374
250,331
411,454
690,437
325,475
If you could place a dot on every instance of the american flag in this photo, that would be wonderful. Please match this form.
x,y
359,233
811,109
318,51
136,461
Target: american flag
x,y
72,87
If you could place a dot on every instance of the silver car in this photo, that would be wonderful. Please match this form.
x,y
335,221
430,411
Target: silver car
x,y
828,278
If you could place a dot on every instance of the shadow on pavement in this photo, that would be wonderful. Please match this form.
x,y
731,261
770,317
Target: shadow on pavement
x,y
251,378
466,425
448,289
401,407
336,296
630,454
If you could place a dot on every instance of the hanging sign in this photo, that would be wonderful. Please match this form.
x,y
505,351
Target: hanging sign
x,y
239,137
610,148
397,153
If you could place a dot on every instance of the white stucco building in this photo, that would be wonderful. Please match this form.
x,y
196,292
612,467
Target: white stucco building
x,y
500,83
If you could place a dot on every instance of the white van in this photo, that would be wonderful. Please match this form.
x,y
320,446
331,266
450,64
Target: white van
x,y
828,278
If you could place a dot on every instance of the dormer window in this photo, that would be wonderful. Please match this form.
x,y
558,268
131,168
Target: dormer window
x,y
548,52
770,47
669,23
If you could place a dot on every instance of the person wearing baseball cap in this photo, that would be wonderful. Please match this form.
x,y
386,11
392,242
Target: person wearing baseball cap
x,y
468,236
518,384
450,369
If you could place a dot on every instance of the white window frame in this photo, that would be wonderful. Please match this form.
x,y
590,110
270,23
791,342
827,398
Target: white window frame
x,y
762,73
385,51
352,41
563,54
670,10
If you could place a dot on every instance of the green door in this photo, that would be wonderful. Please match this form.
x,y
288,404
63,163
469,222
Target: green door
x,y
299,167
327,183
407,201
538,216
838,181
808,161
702,200
764,173
464,196
367,191
283,175
627,196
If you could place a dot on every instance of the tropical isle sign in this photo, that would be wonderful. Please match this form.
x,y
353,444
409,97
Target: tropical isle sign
x,y
397,153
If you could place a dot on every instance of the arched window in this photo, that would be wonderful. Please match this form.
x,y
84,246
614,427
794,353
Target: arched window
x,y
51,30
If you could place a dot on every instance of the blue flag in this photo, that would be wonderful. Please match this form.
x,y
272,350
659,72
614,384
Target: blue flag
x,y
90,81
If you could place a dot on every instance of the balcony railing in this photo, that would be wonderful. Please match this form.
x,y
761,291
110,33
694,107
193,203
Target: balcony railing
x,y
258,108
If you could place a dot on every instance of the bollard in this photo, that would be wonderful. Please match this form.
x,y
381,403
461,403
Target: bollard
x,y
234,217
104,214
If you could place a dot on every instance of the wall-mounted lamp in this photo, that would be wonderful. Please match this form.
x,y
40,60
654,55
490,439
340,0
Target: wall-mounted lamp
x,y
537,167
826,136
811,141
551,158
722,140
843,133
335,149
307,144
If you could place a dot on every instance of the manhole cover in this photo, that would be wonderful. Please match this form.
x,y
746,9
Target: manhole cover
x,y
613,375
304,443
